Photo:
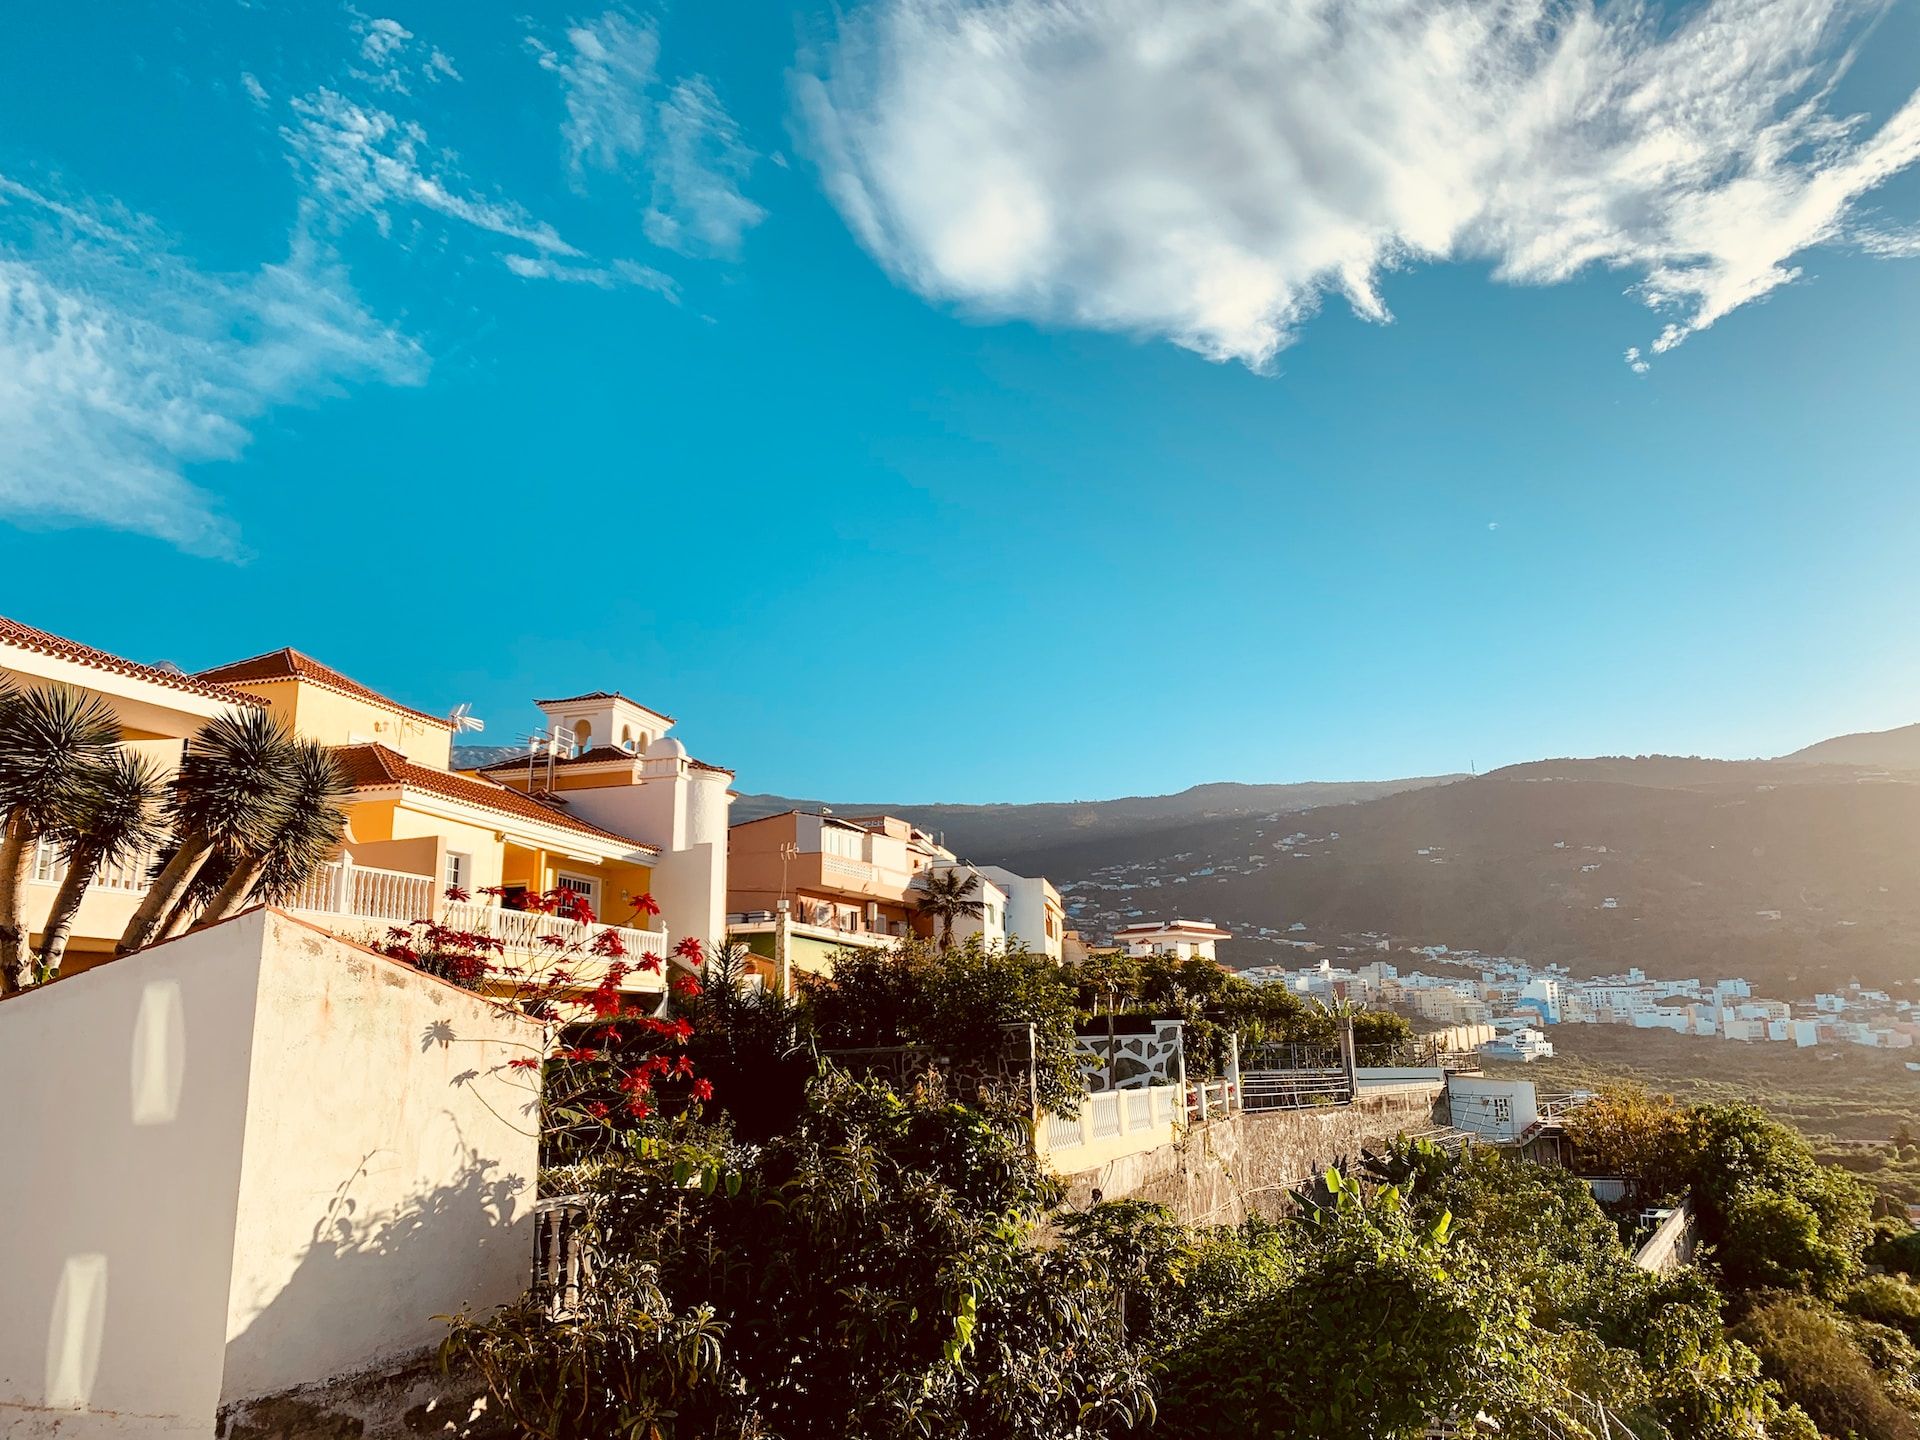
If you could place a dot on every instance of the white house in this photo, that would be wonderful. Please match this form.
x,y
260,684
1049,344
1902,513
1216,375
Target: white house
x,y
1181,939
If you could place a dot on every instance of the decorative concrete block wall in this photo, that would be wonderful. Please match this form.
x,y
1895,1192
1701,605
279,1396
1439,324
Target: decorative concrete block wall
x,y
251,1158
1133,1061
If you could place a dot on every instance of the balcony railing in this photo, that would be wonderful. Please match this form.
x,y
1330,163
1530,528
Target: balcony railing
x,y
339,887
128,876
524,932
1147,1116
340,892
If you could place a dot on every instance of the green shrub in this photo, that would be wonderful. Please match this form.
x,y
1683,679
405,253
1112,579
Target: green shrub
x,y
1810,1352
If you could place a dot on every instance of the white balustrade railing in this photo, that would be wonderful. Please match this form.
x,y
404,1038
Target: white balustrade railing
x,y
339,887
129,876
1111,1114
525,933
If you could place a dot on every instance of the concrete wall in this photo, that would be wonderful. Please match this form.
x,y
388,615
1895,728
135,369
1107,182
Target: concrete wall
x,y
398,1185
127,1094
248,1158
1221,1172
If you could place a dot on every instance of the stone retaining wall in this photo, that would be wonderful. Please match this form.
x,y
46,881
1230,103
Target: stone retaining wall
x,y
1220,1172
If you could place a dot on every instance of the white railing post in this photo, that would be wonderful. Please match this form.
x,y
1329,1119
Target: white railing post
x,y
343,886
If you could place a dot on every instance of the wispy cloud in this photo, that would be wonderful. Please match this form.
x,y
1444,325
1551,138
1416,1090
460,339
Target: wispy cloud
x,y
1210,170
621,274
362,161
605,74
122,366
697,207
682,149
391,58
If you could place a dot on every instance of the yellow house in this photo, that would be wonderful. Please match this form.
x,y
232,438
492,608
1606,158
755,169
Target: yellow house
x,y
158,707
417,829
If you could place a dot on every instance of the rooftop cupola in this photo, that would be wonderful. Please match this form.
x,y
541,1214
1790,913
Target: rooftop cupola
x,y
605,718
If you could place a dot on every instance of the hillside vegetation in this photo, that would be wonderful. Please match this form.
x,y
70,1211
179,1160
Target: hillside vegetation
x,y
1796,876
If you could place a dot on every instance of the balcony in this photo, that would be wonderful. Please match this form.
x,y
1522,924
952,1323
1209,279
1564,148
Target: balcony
x,y
763,922
341,893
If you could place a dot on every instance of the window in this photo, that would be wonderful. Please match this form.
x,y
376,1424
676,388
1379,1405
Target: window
x,y
459,871
582,885
844,843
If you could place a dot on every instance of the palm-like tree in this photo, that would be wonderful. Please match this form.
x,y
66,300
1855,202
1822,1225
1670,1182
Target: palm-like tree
x,y
232,792
946,896
50,739
117,817
306,835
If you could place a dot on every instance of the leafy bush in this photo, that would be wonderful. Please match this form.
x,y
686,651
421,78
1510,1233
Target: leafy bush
x,y
1382,1327
869,1274
1812,1354
956,1001
1887,1300
1214,1003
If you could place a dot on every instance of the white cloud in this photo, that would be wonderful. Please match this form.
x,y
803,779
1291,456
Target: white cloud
x,y
621,274
362,161
392,58
685,149
121,367
697,207
1210,170
256,92
605,74
381,40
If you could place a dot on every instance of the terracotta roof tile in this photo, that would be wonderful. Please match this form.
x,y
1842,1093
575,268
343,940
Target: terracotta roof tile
x,y
291,664
598,755
43,642
375,767
606,695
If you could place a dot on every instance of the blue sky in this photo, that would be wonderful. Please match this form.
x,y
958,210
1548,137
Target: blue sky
x,y
928,400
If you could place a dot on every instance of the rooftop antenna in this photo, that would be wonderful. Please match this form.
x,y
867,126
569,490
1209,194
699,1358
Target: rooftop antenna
x,y
464,721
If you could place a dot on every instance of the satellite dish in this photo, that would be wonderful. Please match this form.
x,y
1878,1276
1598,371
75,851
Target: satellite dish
x,y
463,721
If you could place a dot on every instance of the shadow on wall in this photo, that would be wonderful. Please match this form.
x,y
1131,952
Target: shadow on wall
x,y
368,1273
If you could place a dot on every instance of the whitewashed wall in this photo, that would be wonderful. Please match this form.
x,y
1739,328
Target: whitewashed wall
x,y
250,1158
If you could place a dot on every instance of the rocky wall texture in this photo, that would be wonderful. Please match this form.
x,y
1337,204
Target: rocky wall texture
x,y
1220,1172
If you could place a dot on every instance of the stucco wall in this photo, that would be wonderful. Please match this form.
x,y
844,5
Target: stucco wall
x,y
127,1091
1221,1172
248,1158
398,1183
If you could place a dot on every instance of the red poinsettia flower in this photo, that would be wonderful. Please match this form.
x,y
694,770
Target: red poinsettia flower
x,y
703,1089
458,894
524,1062
689,949
645,904
599,1109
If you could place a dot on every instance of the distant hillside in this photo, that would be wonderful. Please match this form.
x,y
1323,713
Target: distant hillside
x,y
986,833
1795,875
1878,749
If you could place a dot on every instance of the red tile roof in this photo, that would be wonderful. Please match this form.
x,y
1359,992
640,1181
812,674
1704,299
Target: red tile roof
x,y
291,664
375,767
606,695
598,755
41,642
